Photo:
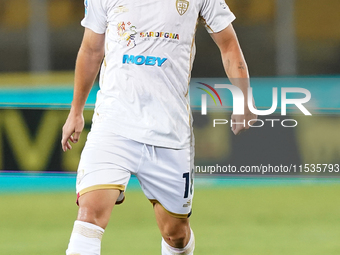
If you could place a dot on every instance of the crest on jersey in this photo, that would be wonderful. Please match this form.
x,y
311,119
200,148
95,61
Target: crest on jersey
x,y
182,6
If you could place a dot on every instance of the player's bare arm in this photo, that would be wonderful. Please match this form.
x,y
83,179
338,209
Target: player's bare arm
x,y
236,69
88,62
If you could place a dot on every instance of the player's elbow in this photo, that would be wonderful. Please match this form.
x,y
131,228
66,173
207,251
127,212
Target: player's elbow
x,y
232,48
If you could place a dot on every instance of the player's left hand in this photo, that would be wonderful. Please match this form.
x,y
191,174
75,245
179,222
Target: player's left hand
x,y
241,122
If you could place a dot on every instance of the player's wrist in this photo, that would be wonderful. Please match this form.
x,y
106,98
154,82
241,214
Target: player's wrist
x,y
76,111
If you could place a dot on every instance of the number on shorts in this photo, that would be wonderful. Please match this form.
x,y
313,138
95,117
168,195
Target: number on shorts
x,y
188,181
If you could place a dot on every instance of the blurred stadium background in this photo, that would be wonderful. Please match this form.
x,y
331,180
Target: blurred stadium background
x,y
233,214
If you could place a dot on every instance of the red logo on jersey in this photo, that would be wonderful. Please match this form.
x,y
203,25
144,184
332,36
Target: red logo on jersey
x,y
127,33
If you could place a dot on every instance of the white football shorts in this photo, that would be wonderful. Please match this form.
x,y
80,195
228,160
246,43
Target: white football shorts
x,y
165,174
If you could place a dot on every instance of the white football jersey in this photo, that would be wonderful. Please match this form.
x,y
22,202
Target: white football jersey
x,y
149,52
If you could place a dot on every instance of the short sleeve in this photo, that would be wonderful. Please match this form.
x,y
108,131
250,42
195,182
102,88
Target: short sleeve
x,y
95,16
216,15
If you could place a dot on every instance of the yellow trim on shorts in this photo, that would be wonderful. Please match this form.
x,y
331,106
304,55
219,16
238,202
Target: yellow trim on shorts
x,y
176,215
102,186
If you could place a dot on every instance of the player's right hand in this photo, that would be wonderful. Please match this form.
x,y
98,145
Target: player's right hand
x,y
71,130
240,128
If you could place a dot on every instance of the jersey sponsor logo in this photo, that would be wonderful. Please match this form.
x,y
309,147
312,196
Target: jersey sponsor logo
x,y
182,6
159,35
127,33
143,60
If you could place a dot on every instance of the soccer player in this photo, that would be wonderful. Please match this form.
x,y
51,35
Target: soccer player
x,y
142,122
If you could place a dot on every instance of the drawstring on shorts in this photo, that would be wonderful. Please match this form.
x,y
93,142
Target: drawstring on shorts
x,y
152,152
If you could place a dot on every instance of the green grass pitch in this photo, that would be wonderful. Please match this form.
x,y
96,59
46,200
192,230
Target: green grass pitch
x,y
284,220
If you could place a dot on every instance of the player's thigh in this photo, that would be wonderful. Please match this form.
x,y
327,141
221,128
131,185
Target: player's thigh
x,y
106,162
104,170
96,206
166,177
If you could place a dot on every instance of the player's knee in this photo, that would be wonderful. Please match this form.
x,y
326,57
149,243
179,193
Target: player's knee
x,y
97,216
178,237
178,241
